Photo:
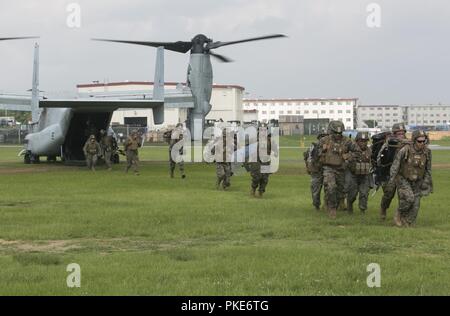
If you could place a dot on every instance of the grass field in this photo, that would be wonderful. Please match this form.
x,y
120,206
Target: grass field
x,y
152,235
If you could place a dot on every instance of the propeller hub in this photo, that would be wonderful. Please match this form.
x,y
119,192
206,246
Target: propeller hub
x,y
199,44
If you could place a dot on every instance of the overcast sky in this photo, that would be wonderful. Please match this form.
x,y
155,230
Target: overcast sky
x,y
330,52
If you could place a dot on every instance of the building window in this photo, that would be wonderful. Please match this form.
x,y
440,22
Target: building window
x,y
264,112
297,112
339,111
281,112
323,112
306,112
289,112
349,120
348,111
331,111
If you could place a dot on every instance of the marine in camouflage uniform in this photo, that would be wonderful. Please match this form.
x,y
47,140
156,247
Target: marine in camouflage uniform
x,y
396,141
106,143
223,163
91,151
359,168
333,153
411,173
131,147
314,169
258,170
175,137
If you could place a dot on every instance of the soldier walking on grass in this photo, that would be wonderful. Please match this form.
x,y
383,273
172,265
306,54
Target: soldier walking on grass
x,y
106,143
314,169
91,151
175,137
385,157
260,169
333,154
411,174
131,147
223,161
359,167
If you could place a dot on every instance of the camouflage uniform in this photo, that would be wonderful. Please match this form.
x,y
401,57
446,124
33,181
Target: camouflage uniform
x,y
411,172
91,151
131,147
223,164
314,169
359,168
389,187
106,143
175,137
260,179
333,153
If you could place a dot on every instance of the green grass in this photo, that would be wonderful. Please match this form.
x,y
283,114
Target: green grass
x,y
154,235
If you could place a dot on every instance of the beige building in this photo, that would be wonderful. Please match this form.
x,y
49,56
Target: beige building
x,y
226,101
340,109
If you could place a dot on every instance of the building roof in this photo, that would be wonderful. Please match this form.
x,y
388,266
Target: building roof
x,y
148,83
301,100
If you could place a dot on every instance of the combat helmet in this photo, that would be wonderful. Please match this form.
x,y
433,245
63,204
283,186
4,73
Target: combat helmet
x,y
92,137
336,127
419,133
362,136
398,127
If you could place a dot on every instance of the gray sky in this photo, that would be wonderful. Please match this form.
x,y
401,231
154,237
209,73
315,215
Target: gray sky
x,y
330,52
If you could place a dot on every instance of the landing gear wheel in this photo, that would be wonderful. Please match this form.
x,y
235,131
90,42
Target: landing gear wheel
x,y
51,158
35,158
27,158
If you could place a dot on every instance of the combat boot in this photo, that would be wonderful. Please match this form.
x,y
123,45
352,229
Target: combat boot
x,y
171,174
397,220
260,194
350,208
332,213
252,192
183,176
383,214
342,206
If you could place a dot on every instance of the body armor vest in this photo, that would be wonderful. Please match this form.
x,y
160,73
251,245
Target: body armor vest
x,y
92,148
334,153
360,164
132,144
413,167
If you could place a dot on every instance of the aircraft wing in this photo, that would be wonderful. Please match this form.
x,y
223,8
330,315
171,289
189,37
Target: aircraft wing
x,y
173,98
94,104
15,103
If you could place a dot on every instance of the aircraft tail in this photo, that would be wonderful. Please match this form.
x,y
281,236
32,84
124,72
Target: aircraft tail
x,y
35,112
158,86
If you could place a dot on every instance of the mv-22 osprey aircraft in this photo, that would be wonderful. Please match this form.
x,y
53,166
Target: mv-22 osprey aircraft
x,y
59,125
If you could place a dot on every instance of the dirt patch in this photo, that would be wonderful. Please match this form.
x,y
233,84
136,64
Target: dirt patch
x,y
41,246
103,246
35,169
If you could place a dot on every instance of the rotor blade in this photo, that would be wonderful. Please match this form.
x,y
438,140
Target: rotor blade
x,y
16,38
220,44
221,58
180,47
